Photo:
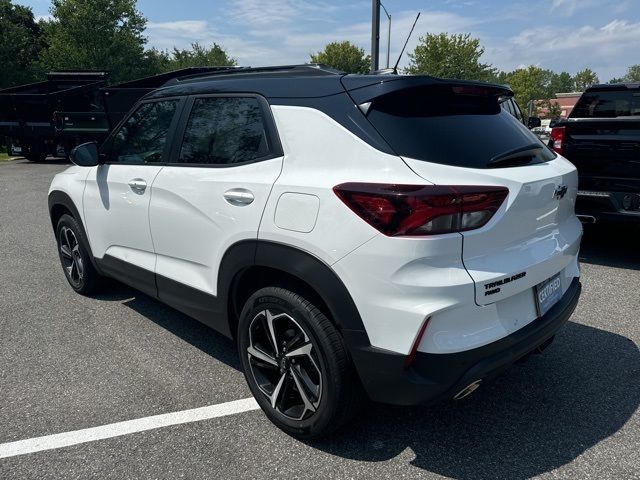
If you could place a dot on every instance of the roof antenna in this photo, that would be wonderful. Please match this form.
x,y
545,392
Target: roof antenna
x,y
395,67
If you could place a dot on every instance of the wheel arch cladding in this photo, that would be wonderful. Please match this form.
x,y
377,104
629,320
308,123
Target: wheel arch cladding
x,y
60,204
297,269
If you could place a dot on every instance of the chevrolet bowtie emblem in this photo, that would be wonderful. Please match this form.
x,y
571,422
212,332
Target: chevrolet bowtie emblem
x,y
561,191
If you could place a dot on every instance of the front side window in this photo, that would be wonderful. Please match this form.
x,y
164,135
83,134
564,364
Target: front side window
x,y
224,131
143,136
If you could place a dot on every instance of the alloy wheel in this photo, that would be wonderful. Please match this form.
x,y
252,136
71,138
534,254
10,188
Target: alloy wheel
x,y
284,364
70,254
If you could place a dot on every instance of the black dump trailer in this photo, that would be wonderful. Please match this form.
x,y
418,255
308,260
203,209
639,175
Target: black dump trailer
x,y
28,112
71,108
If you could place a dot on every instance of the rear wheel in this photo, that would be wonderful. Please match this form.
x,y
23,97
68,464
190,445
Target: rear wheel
x,y
74,257
296,364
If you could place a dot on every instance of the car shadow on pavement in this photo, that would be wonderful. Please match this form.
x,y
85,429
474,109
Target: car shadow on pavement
x,y
540,415
611,245
191,331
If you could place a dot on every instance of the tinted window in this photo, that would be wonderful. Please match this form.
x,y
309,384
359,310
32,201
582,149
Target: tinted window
x,y
517,111
143,136
452,126
508,106
605,104
224,131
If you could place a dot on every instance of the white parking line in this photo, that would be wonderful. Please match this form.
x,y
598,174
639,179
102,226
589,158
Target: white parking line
x,y
60,440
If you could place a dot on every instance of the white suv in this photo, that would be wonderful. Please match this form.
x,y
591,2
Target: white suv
x,y
402,237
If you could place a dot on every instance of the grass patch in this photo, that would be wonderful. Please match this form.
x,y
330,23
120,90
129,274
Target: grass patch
x,y
4,157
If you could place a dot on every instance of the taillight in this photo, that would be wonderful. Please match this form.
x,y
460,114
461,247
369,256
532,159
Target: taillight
x,y
417,210
557,139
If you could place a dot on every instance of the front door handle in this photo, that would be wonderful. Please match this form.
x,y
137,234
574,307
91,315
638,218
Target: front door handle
x,y
138,185
239,197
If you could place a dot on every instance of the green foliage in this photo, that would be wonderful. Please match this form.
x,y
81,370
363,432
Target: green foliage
x,y
585,79
632,76
96,35
554,110
200,56
561,83
20,45
450,56
343,56
531,83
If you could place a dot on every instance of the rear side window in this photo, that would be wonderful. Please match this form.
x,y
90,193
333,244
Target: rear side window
x,y
224,131
603,104
460,126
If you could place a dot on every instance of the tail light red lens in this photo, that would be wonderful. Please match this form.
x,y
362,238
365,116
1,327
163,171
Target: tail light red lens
x,y
557,139
419,210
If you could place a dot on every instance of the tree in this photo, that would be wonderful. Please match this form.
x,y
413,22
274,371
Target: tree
x,y
343,56
633,74
199,56
20,46
585,79
450,56
554,110
531,83
96,35
561,83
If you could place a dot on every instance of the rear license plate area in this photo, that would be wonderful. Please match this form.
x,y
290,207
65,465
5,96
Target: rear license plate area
x,y
548,293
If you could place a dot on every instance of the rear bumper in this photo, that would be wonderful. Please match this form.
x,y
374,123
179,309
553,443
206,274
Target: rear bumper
x,y
609,206
436,377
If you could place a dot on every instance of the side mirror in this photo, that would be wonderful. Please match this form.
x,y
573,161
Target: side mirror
x,y
86,155
534,122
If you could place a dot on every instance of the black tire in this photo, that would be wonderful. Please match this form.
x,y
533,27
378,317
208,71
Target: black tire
x,y
36,158
339,390
75,257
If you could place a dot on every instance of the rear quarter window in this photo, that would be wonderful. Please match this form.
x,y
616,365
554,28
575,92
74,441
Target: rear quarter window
x,y
451,126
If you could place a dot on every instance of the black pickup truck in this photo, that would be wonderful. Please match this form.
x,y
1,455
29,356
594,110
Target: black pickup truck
x,y
601,138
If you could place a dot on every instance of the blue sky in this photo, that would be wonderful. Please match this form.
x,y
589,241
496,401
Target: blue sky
x,y
557,34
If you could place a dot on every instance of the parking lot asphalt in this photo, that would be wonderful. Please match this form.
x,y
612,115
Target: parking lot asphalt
x,y
68,362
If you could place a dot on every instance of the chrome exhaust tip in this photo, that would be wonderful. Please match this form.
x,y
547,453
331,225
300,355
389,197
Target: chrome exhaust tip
x,y
586,218
468,390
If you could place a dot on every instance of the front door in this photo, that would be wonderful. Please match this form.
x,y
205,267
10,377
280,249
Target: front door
x,y
117,194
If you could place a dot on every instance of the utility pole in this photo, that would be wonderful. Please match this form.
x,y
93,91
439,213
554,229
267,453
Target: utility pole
x,y
388,33
375,35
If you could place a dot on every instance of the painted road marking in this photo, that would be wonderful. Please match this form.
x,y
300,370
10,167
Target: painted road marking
x,y
60,440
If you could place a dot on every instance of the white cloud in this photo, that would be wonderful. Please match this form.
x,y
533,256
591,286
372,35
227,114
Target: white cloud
x,y
599,48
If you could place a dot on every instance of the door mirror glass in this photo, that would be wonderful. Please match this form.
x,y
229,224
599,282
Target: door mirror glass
x,y
85,155
534,122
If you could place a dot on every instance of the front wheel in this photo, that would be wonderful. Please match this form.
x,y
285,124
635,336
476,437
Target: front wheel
x,y
75,258
295,364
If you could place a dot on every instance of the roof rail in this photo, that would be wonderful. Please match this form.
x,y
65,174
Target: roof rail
x,y
306,69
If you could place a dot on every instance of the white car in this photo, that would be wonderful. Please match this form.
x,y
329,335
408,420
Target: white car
x,y
403,238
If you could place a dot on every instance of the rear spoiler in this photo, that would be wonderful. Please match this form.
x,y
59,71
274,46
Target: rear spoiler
x,y
365,88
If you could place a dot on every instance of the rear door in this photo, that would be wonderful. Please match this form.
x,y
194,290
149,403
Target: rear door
x,y
459,135
211,195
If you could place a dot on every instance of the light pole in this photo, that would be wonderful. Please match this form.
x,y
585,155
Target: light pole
x,y
375,34
388,33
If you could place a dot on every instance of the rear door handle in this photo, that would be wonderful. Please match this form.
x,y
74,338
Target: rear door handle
x,y
239,197
138,185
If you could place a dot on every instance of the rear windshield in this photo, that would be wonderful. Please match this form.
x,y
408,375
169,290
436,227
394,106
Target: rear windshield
x,y
458,126
603,104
